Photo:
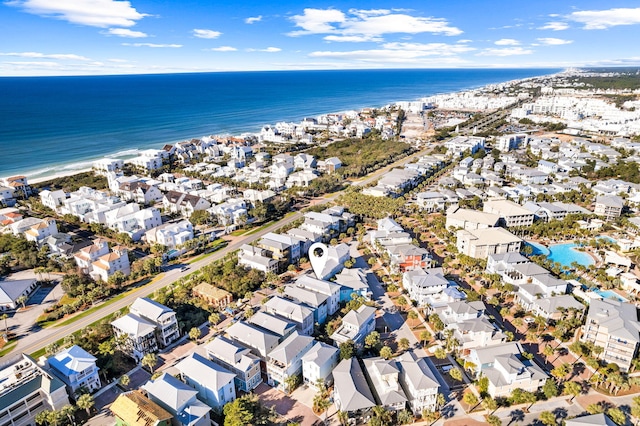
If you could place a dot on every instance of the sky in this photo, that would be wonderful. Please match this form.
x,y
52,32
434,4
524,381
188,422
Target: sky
x,y
89,37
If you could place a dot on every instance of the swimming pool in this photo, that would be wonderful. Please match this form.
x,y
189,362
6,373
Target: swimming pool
x,y
609,294
565,254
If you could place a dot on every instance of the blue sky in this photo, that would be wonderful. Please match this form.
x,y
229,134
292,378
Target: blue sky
x,y
71,37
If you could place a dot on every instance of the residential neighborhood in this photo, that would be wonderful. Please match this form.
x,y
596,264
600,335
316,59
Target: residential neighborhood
x,y
471,275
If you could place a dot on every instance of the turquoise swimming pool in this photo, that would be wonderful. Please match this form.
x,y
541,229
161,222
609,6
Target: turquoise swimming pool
x,y
565,254
608,294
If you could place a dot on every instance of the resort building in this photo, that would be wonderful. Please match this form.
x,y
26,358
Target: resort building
x,y
613,326
609,206
511,213
481,243
12,290
27,389
418,382
425,285
384,378
140,336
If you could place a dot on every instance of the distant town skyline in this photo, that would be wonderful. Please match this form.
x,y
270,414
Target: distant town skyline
x,y
73,37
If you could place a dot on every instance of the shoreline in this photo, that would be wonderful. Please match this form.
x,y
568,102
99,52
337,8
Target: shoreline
x,y
39,176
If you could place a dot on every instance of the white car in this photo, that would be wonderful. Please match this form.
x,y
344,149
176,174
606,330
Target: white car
x,y
529,320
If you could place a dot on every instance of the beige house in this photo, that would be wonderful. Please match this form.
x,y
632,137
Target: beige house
x,y
481,243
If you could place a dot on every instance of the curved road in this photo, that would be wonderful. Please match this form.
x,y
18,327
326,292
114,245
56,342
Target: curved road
x,y
53,334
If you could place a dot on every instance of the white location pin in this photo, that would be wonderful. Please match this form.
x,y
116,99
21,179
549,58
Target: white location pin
x,y
318,254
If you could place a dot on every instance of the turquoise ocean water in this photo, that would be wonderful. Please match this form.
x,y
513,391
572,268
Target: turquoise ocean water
x,y
53,124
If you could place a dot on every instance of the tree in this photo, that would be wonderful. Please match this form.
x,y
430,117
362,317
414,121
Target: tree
x,y
247,410
125,380
404,344
440,353
42,418
635,407
380,416
386,352
412,316
404,417
494,420
573,389
321,402
214,318
617,415
455,374
469,398
6,326
547,418
489,404
372,340
347,349
425,337
85,402
22,300
550,389
68,411
292,382
343,417
561,371
195,333
149,360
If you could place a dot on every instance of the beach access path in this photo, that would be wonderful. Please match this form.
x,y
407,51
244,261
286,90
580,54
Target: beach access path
x,y
42,338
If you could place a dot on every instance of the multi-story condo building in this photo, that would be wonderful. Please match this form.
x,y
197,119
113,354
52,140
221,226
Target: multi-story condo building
x,y
613,326
27,390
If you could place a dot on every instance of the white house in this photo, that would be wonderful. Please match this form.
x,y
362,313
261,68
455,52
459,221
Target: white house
x,y
236,359
356,325
76,368
318,363
285,360
179,399
214,383
163,317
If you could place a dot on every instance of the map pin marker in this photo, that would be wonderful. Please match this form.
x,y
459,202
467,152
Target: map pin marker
x,y
318,254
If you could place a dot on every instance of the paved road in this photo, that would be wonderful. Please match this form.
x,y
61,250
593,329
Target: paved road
x,y
35,341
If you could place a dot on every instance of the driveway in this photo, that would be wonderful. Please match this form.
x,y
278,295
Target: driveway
x,y
287,407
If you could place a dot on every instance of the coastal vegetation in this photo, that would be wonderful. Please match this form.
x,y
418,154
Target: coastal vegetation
x,y
360,156
74,182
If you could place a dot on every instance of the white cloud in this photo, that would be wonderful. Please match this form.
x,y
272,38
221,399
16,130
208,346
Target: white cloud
x,y
555,26
367,24
386,56
59,56
550,41
507,42
154,45
317,21
352,38
200,33
465,40
125,32
429,49
602,19
44,64
253,19
268,50
94,13
507,51
223,49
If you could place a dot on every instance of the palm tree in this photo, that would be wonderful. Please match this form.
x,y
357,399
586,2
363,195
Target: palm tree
x,y
125,380
6,327
22,300
149,360
69,411
42,417
343,417
85,401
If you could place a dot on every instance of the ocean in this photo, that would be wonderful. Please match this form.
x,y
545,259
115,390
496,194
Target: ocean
x,y
50,125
